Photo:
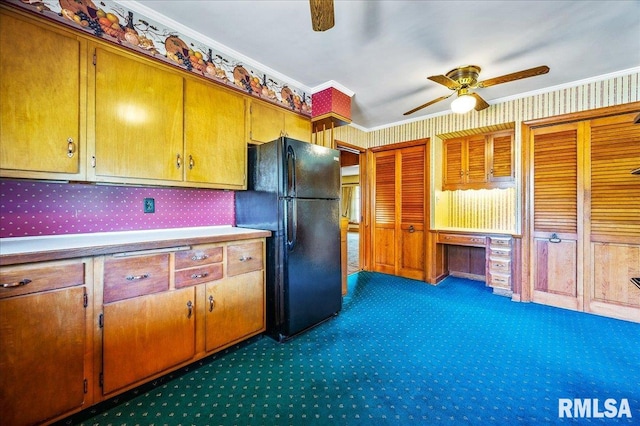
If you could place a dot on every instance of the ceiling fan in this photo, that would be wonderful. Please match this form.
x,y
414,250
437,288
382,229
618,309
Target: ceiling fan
x,y
322,17
463,79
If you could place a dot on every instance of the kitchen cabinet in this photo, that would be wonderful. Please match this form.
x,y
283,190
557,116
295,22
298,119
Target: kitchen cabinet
x,y
479,161
43,324
215,144
147,335
399,205
269,122
236,305
42,92
137,124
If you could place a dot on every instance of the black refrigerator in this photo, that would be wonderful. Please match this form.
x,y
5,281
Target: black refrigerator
x,y
293,190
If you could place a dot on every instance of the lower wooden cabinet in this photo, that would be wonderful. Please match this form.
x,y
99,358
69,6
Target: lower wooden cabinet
x,y
147,335
234,309
43,323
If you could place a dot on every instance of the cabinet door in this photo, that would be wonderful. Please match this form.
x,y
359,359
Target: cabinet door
x,y
556,166
146,335
42,337
266,122
501,159
138,119
41,87
476,159
454,174
215,145
297,127
235,309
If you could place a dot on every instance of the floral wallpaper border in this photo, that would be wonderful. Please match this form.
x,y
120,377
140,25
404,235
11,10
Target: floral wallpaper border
x,y
112,22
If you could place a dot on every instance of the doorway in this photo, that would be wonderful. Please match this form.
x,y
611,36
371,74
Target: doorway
x,y
352,182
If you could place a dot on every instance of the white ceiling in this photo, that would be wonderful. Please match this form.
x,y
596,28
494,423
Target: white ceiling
x,y
384,50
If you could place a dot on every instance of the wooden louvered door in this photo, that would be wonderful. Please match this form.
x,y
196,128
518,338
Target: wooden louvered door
x,y
614,207
399,212
384,212
557,213
411,262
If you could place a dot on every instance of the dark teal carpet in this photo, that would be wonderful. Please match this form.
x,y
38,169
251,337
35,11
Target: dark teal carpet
x,y
404,352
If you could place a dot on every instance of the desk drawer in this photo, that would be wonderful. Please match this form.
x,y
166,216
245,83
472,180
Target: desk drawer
x,y
198,256
25,279
243,258
499,280
462,239
500,265
198,275
128,277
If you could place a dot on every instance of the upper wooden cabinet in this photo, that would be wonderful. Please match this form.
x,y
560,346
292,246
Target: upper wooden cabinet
x,y
269,122
479,161
214,136
138,119
42,92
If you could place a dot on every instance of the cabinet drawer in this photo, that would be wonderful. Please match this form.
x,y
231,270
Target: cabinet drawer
x,y
202,274
499,280
198,256
500,242
25,279
500,265
463,240
501,252
242,258
134,276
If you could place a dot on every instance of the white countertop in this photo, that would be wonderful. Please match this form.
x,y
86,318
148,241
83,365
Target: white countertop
x,y
26,245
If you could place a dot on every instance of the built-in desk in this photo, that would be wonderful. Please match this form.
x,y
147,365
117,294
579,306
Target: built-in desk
x,y
479,256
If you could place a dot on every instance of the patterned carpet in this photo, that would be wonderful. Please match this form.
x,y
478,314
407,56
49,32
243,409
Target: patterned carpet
x,y
402,352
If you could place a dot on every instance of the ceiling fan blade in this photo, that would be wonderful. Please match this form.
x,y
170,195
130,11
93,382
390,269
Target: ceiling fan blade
x,y
480,103
445,81
441,98
322,16
532,72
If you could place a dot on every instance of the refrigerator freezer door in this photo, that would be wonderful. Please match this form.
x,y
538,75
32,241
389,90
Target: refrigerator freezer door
x,y
311,171
313,288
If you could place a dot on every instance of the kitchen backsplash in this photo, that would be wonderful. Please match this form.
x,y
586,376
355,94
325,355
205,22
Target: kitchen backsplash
x,y
47,208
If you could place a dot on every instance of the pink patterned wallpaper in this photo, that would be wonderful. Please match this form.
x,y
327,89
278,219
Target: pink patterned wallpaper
x,y
43,208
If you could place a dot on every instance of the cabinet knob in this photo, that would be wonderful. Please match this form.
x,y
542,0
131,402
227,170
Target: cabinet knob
x,y
411,229
16,284
137,277
71,148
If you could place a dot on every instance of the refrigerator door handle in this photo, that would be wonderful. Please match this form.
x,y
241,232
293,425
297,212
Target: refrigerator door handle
x,y
292,219
291,172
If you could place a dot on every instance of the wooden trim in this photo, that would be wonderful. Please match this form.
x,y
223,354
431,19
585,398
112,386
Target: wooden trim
x,y
584,115
354,149
399,145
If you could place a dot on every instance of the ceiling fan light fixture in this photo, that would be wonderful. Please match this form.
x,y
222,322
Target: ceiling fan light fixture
x,y
322,15
463,104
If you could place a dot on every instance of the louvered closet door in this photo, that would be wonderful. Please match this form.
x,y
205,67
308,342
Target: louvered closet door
x,y
412,199
615,217
384,226
557,213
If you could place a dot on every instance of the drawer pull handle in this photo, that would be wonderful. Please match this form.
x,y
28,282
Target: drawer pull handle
x,y
16,284
201,275
190,308
210,303
137,277
245,258
554,238
71,147
411,229
199,257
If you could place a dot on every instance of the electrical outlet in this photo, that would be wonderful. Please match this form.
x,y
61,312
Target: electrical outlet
x,y
149,205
